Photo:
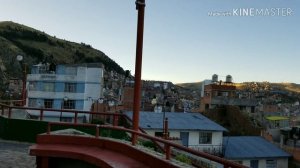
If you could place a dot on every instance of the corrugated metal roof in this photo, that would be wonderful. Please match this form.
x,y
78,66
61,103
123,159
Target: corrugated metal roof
x,y
251,147
177,121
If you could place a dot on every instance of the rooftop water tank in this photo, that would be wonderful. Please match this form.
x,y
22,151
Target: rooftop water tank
x,y
228,79
215,78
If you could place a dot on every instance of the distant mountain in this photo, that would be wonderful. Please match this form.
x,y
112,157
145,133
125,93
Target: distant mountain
x,y
192,86
37,46
292,87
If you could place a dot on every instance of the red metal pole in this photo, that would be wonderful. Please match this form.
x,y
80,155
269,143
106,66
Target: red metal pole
x,y
166,128
140,6
168,151
48,128
115,120
97,131
75,119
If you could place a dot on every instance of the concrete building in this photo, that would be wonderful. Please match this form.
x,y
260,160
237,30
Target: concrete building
x,y
64,87
221,94
203,84
216,93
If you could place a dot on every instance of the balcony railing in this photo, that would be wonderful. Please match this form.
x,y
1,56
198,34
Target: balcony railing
x,y
168,145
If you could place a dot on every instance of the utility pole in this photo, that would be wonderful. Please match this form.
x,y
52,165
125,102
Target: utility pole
x,y
140,7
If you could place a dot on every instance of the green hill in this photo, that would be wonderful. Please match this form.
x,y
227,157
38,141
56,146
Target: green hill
x,y
37,46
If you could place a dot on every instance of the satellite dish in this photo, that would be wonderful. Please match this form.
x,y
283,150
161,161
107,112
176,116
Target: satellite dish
x,y
19,58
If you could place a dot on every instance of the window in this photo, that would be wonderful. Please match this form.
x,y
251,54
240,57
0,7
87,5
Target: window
x,y
69,104
42,69
205,137
158,134
271,164
33,86
48,103
70,71
66,119
32,102
225,94
238,161
49,87
254,163
70,87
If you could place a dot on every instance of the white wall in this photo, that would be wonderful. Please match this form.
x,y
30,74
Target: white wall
x,y
281,163
92,77
284,163
205,82
151,132
215,147
217,137
54,95
93,85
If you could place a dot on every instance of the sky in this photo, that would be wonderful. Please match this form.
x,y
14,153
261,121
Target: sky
x,y
184,40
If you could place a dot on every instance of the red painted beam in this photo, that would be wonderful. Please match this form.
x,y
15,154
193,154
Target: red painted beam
x,y
97,151
140,6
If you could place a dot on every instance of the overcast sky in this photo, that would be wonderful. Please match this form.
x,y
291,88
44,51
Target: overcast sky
x,y
184,40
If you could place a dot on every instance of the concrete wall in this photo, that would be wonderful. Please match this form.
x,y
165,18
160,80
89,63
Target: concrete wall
x,y
280,163
217,138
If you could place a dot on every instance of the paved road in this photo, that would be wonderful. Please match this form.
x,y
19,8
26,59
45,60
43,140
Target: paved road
x,y
15,155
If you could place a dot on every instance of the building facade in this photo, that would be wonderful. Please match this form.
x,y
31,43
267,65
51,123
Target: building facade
x,y
223,94
64,87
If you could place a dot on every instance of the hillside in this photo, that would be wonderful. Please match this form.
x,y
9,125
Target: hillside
x,y
37,46
291,87
192,86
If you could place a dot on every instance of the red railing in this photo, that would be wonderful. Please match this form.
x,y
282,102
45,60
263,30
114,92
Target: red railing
x,y
8,109
167,144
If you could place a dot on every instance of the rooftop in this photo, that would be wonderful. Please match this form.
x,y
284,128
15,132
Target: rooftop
x,y
177,121
276,118
250,147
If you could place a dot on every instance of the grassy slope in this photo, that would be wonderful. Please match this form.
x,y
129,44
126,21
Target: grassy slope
x,y
35,46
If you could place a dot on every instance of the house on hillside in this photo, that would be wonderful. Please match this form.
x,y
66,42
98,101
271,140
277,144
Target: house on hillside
x,y
254,152
64,87
193,129
222,94
216,93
